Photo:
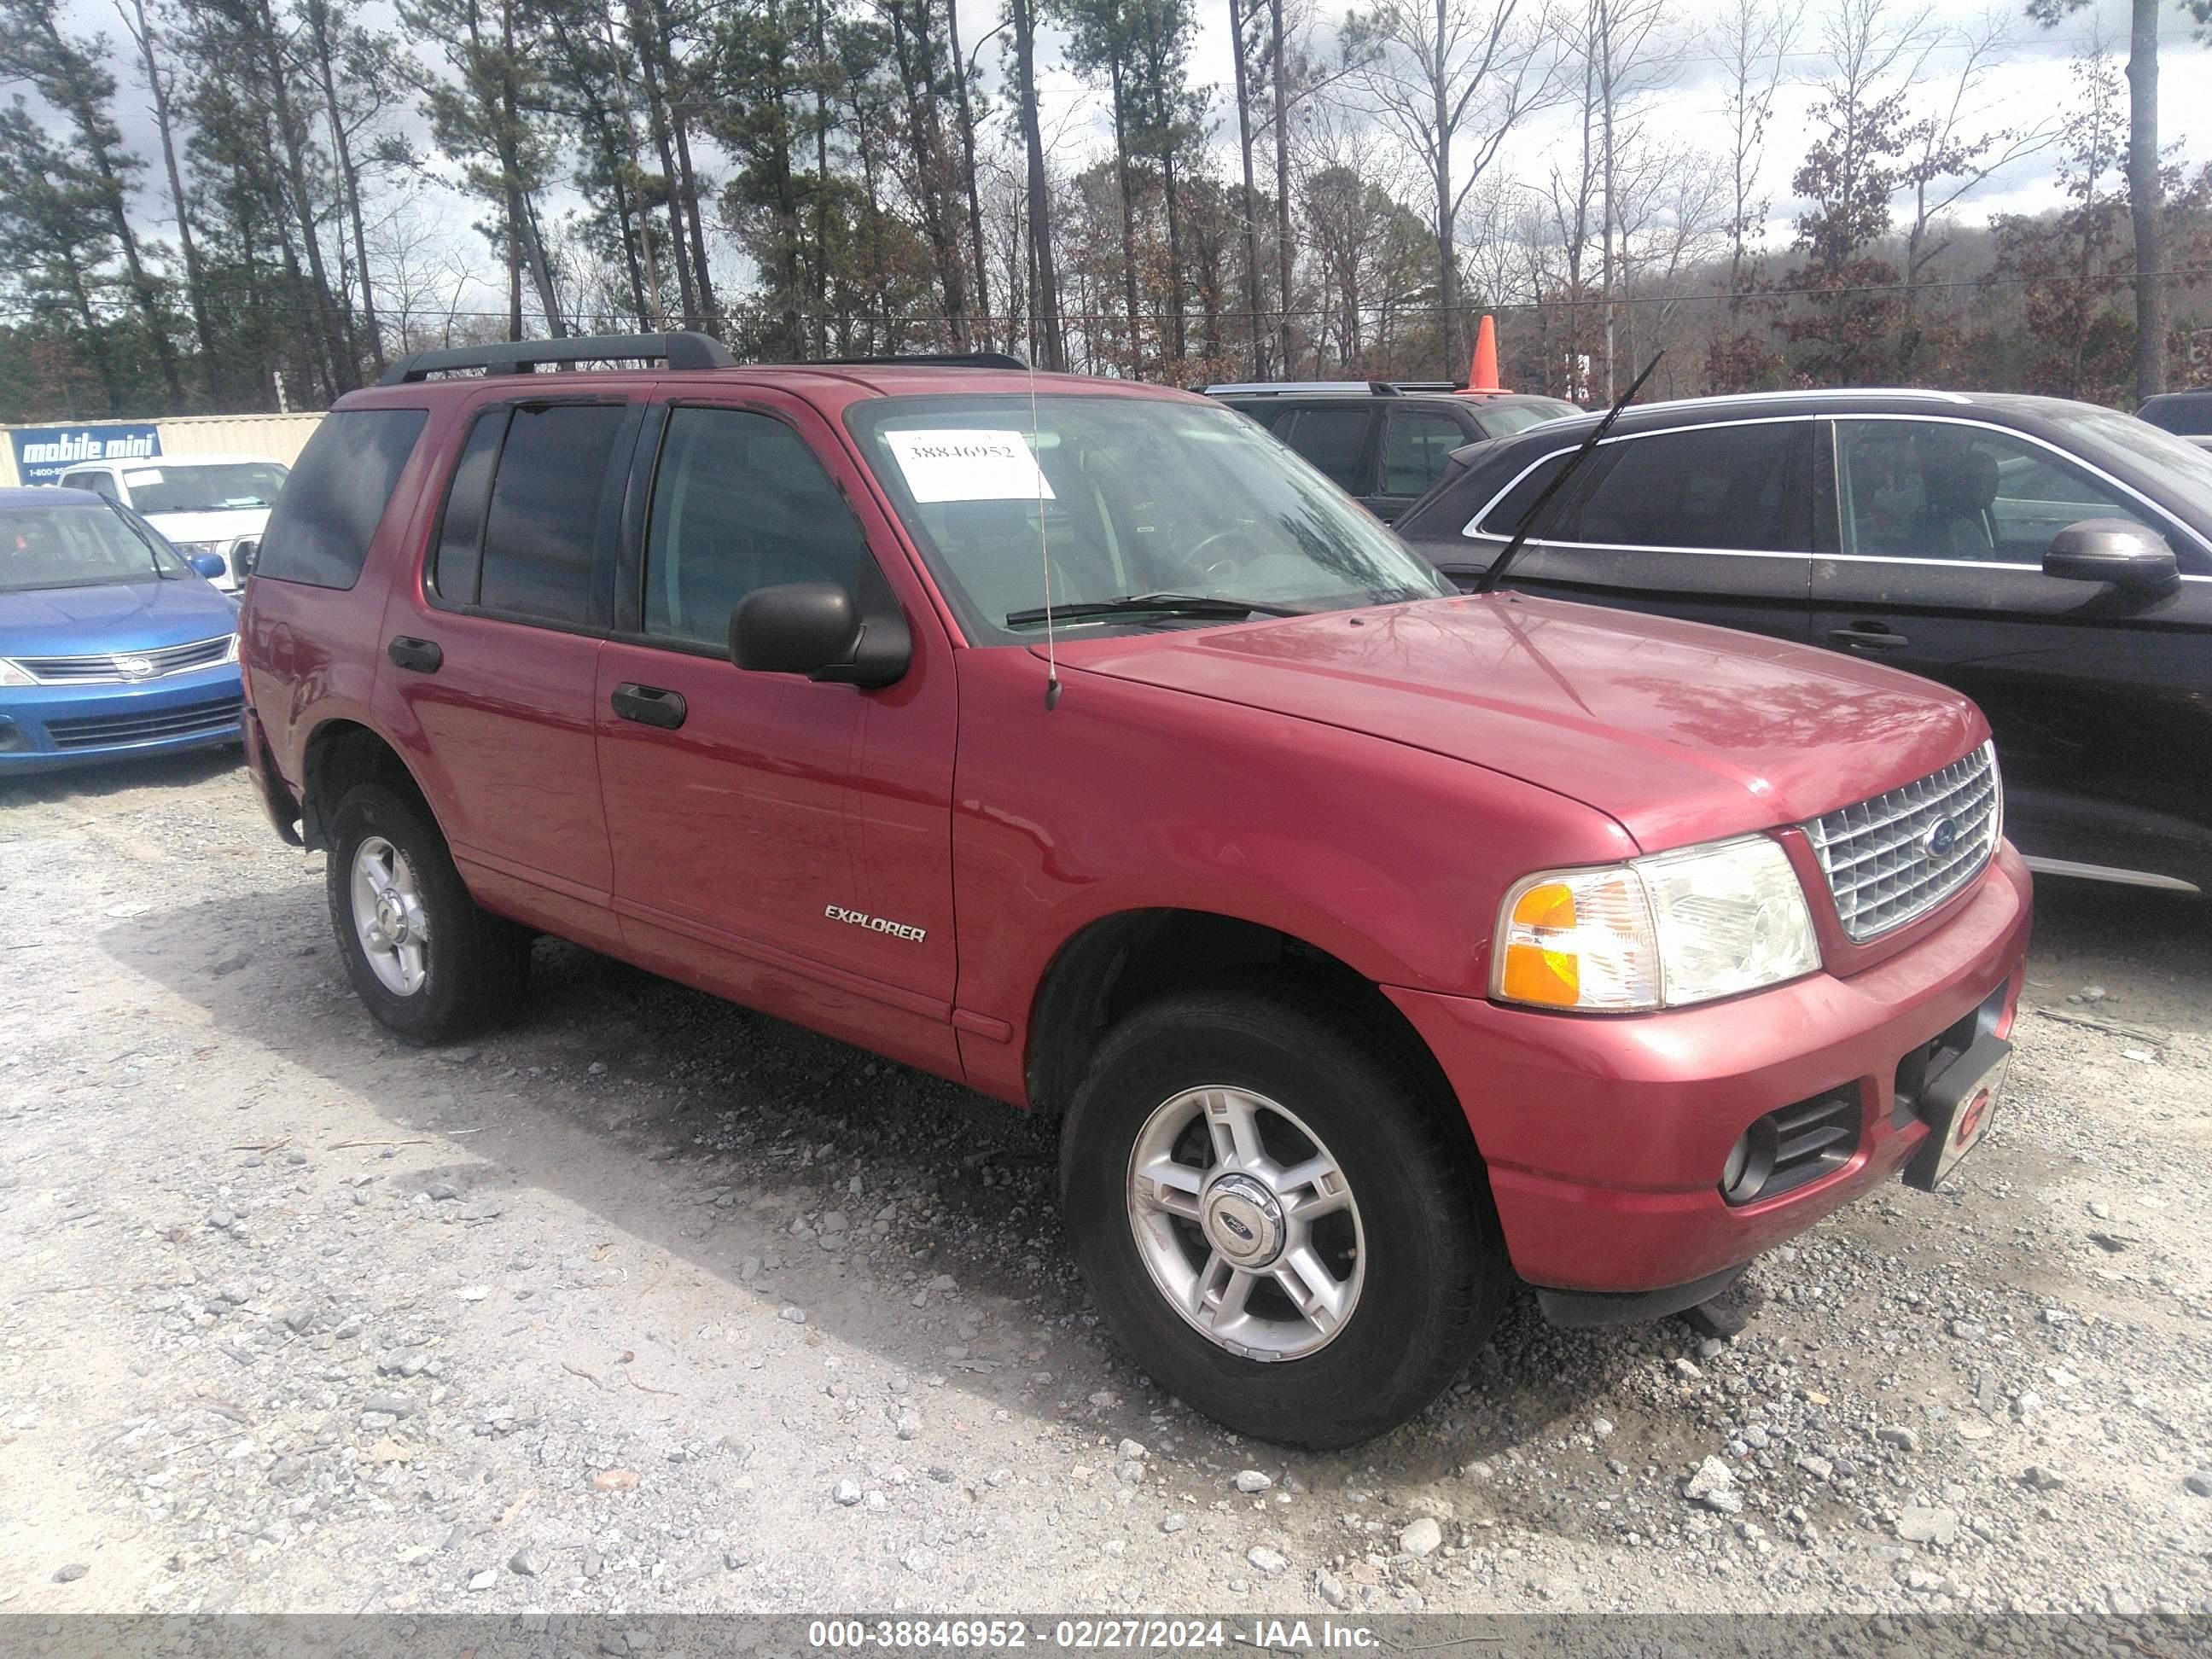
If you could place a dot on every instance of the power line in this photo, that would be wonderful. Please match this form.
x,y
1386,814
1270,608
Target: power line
x,y
769,314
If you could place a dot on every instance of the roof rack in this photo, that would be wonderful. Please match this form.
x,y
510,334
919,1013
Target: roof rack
x,y
685,350
1279,388
924,359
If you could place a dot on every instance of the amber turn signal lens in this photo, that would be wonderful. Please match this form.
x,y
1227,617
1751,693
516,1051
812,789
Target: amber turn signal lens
x,y
1540,964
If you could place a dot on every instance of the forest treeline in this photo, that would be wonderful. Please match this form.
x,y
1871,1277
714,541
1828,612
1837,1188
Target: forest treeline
x,y
839,177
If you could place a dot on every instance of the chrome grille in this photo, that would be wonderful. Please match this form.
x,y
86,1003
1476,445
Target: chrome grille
x,y
105,669
1888,859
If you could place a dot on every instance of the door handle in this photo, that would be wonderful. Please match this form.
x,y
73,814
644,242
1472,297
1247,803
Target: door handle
x,y
421,656
1868,636
649,705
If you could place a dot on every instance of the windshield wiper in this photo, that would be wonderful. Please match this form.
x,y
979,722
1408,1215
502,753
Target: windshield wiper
x,y
1164,604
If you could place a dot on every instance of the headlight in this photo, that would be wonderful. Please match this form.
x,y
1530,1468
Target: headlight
x,y
193,549
11,675
1659,932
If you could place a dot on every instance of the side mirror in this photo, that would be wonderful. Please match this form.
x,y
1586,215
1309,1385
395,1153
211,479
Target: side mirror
x,y
814,629
245,556
209,565
2114,550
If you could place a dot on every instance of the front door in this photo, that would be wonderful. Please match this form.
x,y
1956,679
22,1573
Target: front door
x,y
782,842
2100,698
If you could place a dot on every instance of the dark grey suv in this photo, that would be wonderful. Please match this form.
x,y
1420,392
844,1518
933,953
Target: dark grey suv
x,y
2185,414
1385,442
2051,560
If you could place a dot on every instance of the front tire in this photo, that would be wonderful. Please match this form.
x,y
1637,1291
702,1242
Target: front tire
x,y
425,960
1277,1222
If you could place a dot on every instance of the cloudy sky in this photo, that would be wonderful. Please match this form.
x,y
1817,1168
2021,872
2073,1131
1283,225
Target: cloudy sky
x,y
2027,83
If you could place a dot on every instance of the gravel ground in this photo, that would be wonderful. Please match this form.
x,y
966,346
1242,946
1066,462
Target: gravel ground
x,y
653,1304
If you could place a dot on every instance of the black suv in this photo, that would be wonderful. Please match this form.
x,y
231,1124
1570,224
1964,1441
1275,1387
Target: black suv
x,y
2051,560
1385,442
2185,414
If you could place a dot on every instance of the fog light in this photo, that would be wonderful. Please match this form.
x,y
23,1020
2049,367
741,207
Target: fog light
x,y
1750,1163
12,737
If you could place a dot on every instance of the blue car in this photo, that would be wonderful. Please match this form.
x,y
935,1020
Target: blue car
x,y
112,644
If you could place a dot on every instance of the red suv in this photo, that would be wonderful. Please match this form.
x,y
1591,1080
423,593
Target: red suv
x,y
1372,945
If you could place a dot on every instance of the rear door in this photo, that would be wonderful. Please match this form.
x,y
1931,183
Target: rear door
x,y
491,659
783,841
2101,699
1713,523
1340,440
1417,447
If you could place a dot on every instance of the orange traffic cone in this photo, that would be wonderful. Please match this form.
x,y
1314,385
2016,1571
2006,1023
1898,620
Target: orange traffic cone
x,y
1482,371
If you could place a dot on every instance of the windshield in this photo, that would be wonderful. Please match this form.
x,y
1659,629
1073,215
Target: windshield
x,y
76,547
2138,440
1127,496
215,487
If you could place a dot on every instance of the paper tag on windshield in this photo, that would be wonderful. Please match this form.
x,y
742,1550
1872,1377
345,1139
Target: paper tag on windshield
x,y
961,464
148,477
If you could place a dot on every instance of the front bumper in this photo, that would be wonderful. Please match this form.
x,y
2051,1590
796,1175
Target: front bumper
x,y
43,727
1605,1137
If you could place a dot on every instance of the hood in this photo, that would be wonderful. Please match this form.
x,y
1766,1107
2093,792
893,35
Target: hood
x,y
77,622
210,526
1681,732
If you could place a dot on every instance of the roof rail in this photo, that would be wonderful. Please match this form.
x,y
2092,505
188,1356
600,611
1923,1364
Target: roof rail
x,y
685,350
1277,388
1420,386
922,359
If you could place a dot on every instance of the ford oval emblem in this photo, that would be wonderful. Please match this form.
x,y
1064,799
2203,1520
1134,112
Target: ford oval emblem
x,y
1942,835
134,668
1238,1228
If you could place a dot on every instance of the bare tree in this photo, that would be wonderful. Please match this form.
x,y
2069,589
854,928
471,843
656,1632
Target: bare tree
x,y
1615,58
1951,159
2146,185
1453,79
1750,41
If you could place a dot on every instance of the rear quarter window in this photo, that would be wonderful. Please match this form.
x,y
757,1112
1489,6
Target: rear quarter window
x,y
327,513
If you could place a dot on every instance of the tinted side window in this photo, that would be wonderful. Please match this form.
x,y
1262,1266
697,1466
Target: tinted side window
x,y
541,531
740,503
1504,519
1747,488
329,508
458,559
100,483
1334,439
1414,454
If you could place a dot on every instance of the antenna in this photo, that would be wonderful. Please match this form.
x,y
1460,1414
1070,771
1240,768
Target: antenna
x,y
1044,551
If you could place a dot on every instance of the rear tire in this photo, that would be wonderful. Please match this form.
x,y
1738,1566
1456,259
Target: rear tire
x,y
1220,1122
428,962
